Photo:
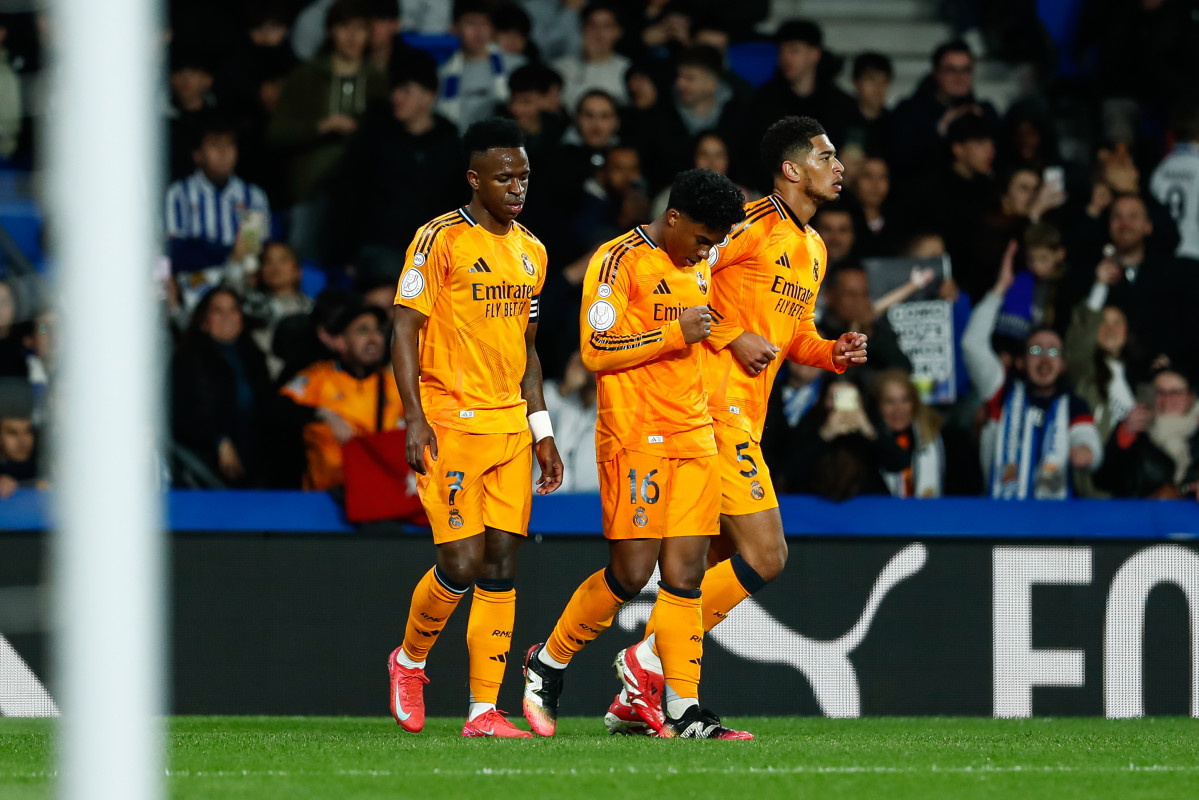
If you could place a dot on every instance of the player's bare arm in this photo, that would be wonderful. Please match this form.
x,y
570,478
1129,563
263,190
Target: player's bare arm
x,y
545,450
405,363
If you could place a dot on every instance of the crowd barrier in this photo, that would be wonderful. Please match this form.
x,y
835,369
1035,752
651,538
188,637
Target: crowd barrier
x,y
887,607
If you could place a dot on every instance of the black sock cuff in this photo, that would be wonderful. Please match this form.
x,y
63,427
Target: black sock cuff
x,y
495,584
450,586
690,594
749,578
616,588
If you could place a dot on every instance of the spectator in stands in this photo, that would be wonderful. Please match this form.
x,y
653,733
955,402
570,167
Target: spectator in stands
x,y
40,345
571,403
914,430
848,307
401,168
1026,139
1175,181
1034,300
529,88
836,450
596,130
598,65
797,387
219,391
19,467
614,201
12,349
352,395
710,31
922,121
1037,433
834,222
192,102
215,221
699,102
556,30
10,102
320,105
1100,362
871,188
514,31
798,88
303,340
430,17
263,48
868,128
711,152
957,198
1155,450
1152,288
383,30
475,79
276,296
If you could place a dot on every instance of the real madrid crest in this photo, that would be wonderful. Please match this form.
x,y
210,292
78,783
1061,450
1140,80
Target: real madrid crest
x,y
640,519
703,284
455,518
756,491
528,262
815,269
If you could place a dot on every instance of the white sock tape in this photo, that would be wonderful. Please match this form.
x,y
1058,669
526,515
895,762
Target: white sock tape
x,y
539,424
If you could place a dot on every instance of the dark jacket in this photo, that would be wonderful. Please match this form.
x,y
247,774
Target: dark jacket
x,y
916,138
1142,469
206,406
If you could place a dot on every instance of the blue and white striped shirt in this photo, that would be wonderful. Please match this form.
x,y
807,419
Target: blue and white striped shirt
x,y
202,221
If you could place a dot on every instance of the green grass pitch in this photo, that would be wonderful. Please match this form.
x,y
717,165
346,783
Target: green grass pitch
x,y
794,757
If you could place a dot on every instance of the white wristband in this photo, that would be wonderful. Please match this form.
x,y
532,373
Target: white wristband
x,y
539,424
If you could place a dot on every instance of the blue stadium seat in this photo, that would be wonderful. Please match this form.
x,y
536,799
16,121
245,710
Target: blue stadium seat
x,y
439,45
754,61
312,279
23,221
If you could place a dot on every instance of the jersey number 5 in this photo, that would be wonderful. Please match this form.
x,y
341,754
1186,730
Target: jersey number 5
x,y
646,485
753,465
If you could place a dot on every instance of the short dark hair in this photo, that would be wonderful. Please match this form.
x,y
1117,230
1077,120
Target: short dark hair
x,y
599,5
264,11
708,198
414,66
535,77
382,9
464,7
835,207
969,128
511,17
1042,234
872,62
800,30
346,11
494,133
789,139
590,93
704,56
214,124
953,46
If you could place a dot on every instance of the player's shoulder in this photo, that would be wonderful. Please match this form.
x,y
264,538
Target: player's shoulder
x,y
761,216
527,234
622,253
445,228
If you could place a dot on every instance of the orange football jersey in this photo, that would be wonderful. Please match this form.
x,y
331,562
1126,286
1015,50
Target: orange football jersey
x,y
480,292
765,277
651,395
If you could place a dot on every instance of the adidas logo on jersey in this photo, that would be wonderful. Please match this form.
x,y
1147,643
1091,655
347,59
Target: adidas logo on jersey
x,y
662,288
480,266
784,261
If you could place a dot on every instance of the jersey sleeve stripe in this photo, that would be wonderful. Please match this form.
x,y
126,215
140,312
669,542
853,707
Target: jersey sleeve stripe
x,y
618,256
624,338
716,315
599,344
462,212
749,221
426,243
605,269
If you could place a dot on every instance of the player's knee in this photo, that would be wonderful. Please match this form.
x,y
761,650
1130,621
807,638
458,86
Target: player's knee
x,y
632,578
461,567
769,563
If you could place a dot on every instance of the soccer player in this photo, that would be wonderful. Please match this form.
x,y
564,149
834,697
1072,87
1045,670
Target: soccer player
x,y
765,279
468,374
643,318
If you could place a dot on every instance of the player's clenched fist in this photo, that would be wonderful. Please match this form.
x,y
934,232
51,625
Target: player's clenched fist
x,y
697,324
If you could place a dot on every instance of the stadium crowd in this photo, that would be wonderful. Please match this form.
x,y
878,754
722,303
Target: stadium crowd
x,y
308,140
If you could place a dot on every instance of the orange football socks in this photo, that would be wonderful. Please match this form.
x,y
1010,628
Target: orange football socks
x,y
489,636
433,600
588,614
680,638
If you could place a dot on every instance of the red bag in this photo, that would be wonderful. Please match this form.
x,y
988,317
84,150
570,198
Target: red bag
x,y
379,483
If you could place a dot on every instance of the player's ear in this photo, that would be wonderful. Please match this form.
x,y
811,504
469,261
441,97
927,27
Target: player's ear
x,y
791,172
472,178
672,217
